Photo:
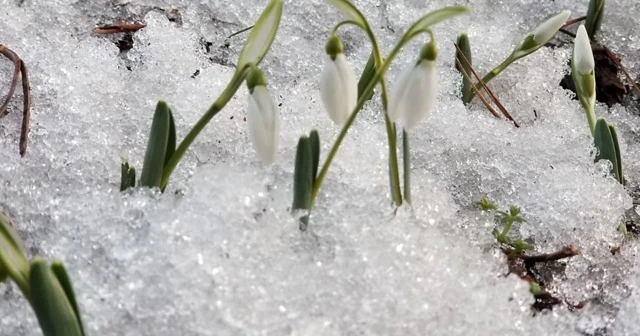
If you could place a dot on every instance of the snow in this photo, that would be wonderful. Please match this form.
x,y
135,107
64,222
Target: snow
x,y
220,254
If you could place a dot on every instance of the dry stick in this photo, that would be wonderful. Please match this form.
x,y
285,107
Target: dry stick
x,y
118,28
14,81
26,109
570,22
26,92
478,93
486,88
566,252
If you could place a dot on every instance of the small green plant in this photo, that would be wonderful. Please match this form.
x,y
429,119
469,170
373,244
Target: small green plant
x,y
505,221
603,132
163,153
529,44
343,97
47,288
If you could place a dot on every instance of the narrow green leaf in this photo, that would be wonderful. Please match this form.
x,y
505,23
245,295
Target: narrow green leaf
x,y
594,17
435,17
350,11
314,142
368,74
465,46
171,141
616,145
262,35
63,278
154,158
604,142
303,175
12,259
54,311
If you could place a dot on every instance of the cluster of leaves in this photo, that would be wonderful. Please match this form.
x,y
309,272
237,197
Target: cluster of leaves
x,y
504,223
46,287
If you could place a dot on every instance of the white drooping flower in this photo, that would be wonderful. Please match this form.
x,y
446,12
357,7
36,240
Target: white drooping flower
x,y
414,94
338,83
263,117
582,53
548,29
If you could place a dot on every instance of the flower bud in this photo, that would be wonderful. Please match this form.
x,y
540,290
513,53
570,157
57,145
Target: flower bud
x,y
338,83
582,54
548,29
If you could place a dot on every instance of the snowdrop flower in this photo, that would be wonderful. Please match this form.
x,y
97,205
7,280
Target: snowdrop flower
x,y
263,117
548,29
414,94
338,83
583,73
541,35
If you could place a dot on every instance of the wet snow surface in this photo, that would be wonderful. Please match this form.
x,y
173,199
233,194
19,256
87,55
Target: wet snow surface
x,y
220,254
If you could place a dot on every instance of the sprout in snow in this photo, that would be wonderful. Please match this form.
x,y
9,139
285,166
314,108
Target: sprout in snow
x,y
263,117
338,83
582,68
414,95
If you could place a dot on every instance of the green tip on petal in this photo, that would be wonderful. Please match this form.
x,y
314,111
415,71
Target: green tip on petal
x,y
334,46
429,52
255,77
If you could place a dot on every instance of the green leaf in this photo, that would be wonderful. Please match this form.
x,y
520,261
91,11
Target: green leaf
x,y
54,311
127,176
171,142
464,67
350,11
12,259
605,144
303,175
63,278
154,158
594,17
486,205
368,74
433,18
314,142
262,35
616,145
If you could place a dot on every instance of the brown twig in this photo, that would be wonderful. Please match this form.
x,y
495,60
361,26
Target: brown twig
x,y
20,67
486,88
566,32
118,28
478,93
565,252
570,22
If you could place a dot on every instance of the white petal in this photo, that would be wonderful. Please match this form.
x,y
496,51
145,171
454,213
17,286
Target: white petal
x,y
420,97
264,124
338,88
582,54
398,93
546,30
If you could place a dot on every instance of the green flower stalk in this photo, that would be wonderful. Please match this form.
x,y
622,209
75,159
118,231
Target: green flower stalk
x,y
531,43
